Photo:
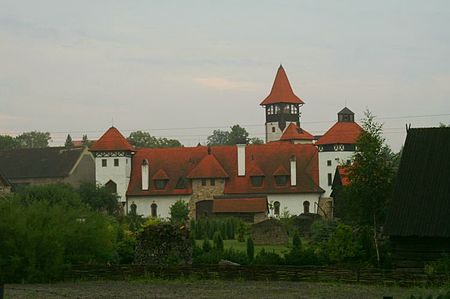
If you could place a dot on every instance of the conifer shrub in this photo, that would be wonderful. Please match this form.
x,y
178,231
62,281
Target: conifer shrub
x,y
206,246
267,258
250,249
218,241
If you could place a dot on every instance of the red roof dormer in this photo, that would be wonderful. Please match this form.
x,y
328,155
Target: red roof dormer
x,y
281,91
111,140
293,132
208,167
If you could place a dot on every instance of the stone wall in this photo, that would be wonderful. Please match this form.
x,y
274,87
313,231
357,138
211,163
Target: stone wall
x,y
326,207
269,232
207,192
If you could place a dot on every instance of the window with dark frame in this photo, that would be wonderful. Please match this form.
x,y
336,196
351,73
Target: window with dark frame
x,y
203,182
276,208
154,210
160,184
273,129
116,162
104,162
328,162
257,181
212,182
306,207
281,180
330,179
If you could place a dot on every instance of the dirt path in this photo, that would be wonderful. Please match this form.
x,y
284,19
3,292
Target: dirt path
x,y
206,289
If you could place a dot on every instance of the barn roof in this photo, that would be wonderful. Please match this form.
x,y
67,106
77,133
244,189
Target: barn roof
x,y
46,162
421,203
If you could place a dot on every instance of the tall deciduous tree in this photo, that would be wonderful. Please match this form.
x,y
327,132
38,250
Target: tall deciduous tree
x,y
144,139
8,142
33,139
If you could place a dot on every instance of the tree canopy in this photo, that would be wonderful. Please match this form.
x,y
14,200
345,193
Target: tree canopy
x,y
69,142
32,139
364,200
236,135
144,139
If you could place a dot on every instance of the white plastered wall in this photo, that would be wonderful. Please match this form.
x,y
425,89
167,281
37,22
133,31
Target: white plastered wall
x,y
144,203
294,202
336,158
119,174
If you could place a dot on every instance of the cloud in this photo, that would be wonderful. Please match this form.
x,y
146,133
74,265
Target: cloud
x,y
224,84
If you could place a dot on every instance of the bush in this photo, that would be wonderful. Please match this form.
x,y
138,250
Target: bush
x,y
212,257
235,256
267,258
250,249
206,227
99,198
179,211
218,241
301,257
41,239
206,246
296,242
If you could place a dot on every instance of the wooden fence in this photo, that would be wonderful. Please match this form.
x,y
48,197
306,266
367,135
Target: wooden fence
x,y
413,277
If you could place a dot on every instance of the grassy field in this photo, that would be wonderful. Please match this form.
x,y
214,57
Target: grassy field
x,y
209,289
242,246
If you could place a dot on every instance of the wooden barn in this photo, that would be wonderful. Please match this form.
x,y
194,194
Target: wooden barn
x,y
418,219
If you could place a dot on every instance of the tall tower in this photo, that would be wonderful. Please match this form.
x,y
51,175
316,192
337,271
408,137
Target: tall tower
x,y
113,156
336,147
282,107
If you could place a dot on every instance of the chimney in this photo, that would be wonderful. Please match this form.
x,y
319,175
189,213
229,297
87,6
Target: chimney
x,y
241,159
144,174
293,163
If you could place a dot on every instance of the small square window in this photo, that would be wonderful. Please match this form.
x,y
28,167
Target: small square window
x,y
116,162
203,182
212,182
104,162
329,162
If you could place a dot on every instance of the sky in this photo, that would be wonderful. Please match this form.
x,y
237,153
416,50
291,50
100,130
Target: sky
x,y
180,69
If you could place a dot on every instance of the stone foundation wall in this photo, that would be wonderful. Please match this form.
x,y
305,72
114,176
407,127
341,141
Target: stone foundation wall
x,y
326,207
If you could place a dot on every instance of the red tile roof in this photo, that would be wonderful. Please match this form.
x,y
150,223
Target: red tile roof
x,y
160,175
281,91
281,171
112,140
343,173
341,133
254,169
293,132
179,162
208,167
240,205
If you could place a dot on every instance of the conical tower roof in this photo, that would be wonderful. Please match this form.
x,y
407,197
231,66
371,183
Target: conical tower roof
x,y
112,140
281,90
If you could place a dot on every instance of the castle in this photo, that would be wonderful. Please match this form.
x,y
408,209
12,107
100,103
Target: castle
x,y
291,173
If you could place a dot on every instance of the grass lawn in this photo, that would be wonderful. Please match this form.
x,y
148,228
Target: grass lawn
x,y
209,289
242,246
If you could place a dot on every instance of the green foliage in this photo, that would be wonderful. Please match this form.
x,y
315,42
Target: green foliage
x,y
33,139
40,239
206,246
179,211
321,230
267,258
343,245
8,142
163,243
235,256
256,140
69,142
144,139
236,135
206,227
364,201
250,249
296,242
52,194
98,198
218,241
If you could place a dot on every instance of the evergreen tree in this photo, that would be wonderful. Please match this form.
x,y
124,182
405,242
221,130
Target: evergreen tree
x,y
250,249
69,142
218,241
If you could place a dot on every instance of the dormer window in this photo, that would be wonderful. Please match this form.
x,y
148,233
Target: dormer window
x,y
160,184
257,180
281,180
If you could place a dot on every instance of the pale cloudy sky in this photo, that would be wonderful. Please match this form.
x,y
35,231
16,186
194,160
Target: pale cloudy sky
x,y
182,68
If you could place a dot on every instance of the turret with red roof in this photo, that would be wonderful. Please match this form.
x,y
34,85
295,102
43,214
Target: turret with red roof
x,y
282,107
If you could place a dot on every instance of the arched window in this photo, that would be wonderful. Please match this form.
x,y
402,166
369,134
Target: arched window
x,y
276,208
133,209
306,207
154,210
111,186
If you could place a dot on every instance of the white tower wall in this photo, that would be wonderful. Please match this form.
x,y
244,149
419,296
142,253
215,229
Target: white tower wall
x,y
336,158
118,174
